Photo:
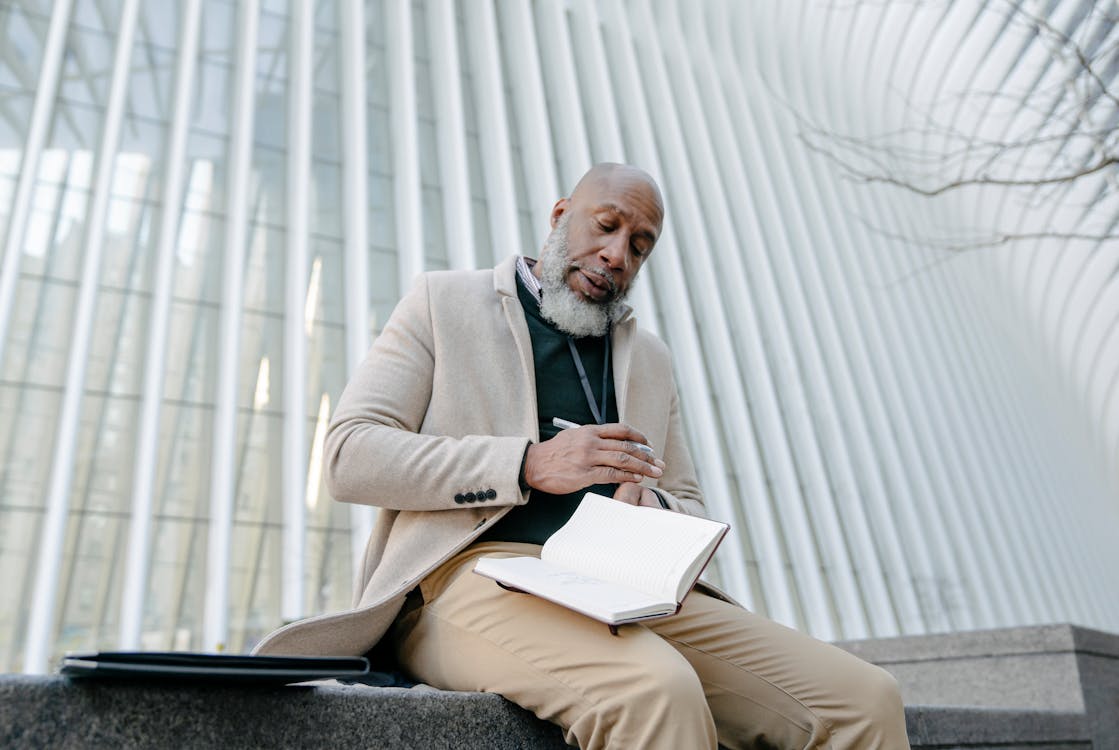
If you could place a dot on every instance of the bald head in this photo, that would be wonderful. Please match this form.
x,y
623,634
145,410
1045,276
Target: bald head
x,y
610,177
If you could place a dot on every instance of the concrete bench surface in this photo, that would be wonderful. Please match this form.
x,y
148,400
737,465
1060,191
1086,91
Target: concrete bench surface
x,y
55,712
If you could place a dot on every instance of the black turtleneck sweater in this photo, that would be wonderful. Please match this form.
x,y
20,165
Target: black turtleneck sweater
x,y
559,393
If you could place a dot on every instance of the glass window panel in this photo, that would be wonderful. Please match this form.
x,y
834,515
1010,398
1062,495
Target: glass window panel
x,y
19,541
158,27
383,272
376,79
379,141
268,197
190,374
75,127
102,479
29,419
326,200
435,241
219,21
40,8
429,152
419,31
488,254
326,72
206,154
327,293
89,584
126,258
87,66
24,40
40,333
328,573
325,130
55,228
210,111
97,16
382,218
173,603
326,367
265,269
258,461
198,256
276,7
150,83
261,362
141,159
182,488
7,195
326,15
120,337
270,118
15,117
254,585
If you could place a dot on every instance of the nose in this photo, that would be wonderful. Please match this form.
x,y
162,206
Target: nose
x,y
615,253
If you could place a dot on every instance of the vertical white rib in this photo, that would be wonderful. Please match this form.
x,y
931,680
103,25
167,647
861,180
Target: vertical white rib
x,y
136,569
300,103
781,299
537,153
355,209
698,410
493,129
450,131
405,146
41,624
603,136
37,131
571,145
605,131
224,449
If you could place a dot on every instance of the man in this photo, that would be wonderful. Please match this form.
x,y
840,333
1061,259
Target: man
x,y
447,426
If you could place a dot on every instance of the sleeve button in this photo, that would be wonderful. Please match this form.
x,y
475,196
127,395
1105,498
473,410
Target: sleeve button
x,y
460,498
491,494
470,497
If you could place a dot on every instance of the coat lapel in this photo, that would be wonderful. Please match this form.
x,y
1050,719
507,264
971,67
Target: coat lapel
x,y
505,283
622,355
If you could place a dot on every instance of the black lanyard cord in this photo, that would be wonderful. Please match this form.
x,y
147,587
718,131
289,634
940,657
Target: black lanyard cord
x,y
599,414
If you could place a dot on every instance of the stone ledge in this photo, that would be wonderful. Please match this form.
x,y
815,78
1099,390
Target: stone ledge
x,y
52,711
946,727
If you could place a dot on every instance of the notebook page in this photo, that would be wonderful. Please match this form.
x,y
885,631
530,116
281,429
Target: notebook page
x,y
649,549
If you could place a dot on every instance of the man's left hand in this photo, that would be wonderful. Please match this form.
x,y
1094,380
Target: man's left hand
x,y
635,494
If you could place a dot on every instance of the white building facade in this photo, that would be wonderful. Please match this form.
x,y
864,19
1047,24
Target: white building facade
x,y
209,208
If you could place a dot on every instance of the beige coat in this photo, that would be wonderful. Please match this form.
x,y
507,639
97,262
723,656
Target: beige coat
x,y
445,405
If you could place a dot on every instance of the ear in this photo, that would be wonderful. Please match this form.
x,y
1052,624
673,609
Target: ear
x,y
558,210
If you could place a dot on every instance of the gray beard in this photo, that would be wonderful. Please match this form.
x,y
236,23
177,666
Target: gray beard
x,y
567,310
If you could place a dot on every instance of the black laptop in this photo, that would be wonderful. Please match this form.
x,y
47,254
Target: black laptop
x,y
183,666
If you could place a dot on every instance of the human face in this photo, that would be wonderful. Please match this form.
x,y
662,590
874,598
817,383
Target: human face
x,y
613,222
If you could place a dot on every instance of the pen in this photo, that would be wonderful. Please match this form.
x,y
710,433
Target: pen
x,y
564,424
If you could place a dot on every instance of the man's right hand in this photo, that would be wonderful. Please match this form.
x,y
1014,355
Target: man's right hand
x,y
592,454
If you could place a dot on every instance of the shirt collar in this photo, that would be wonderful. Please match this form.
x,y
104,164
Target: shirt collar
x,y
524,273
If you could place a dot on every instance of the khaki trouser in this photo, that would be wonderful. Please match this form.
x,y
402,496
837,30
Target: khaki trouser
x,y
712,672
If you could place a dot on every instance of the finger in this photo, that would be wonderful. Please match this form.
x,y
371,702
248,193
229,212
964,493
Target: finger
x,y
629,462
630,493
638,450
612,475
621,431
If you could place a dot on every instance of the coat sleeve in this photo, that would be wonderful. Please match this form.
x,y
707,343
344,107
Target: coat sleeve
x,y
375,453
678,487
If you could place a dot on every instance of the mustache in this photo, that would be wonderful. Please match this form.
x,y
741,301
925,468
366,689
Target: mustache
x,y
602,273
